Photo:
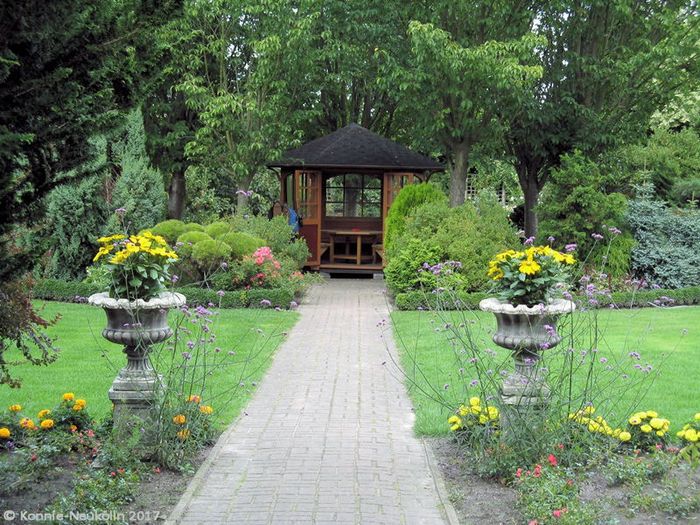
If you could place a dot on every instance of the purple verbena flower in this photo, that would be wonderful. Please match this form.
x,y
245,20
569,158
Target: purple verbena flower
x,y
265,302
597,236
220,293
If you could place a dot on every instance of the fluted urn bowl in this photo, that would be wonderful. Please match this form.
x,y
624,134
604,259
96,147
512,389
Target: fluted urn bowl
x,y
131,323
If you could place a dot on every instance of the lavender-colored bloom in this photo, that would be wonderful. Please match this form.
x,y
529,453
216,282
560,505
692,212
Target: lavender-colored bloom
x,y
174,279
571,247
597,236
474,382
120,211
638,366
550,239
529,241
244,192
293,305
473,360
551,332
190,344
614,231
566,295
593,302
187,355
201,311
544,346
634,355
231,352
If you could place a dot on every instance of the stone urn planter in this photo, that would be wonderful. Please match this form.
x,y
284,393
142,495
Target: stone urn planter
x,y
137,325
526,331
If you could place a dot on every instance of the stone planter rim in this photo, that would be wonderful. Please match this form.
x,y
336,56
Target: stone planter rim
x,y
162,300
556,307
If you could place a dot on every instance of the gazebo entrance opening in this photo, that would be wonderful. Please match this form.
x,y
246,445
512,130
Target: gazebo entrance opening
x,y
342,186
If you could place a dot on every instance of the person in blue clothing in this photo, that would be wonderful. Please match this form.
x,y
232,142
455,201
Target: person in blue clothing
x,y
293,218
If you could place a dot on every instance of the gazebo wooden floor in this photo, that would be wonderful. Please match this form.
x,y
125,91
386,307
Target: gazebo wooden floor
x,y
350,268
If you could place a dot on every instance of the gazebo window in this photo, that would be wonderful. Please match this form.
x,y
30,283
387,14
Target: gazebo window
x,y
353,195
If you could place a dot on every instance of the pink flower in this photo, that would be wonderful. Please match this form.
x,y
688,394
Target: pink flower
x,y
558,513
538,471
552,460
518,473
533,522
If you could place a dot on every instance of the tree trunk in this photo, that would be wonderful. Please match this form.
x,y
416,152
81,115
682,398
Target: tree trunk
x,y
242,195
458,174
176,195
529,183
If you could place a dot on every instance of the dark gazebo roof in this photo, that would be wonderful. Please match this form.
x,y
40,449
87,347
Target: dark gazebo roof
x,y
355,147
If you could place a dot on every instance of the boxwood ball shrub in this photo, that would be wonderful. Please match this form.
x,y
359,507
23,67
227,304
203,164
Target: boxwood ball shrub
x,y
241,244
210,253
189,239
409,198
216,229
170,229
194,227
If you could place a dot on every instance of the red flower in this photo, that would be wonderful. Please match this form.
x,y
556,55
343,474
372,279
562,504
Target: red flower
x,y
533,522
560,446
156,470
112,473
538,471
570,482
121,470
34,457
552,460
518,473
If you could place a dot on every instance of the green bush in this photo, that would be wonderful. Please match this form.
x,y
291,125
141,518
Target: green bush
x,y
170,230
187,240
76,215
64,291
686,191
276,232
472,234
194,227
241,244
210,253
217,229
139,189
402,273
574,207
409,198
668,245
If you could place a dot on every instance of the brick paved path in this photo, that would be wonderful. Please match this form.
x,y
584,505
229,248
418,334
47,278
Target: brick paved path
x,y
328,436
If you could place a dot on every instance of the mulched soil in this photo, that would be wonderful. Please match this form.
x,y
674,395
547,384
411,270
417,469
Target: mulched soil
x,y
479,501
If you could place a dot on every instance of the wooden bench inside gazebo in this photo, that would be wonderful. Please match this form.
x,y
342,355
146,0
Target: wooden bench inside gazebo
x,y
342,186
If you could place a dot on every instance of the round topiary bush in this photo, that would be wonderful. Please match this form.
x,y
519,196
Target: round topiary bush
x,y
241,244
171,229
194,227
217,229
189,239
210,253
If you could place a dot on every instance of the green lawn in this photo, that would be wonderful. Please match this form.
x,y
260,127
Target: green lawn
x,y
87,363
668,339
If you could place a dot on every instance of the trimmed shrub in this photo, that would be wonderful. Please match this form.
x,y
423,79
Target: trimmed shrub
x,y
210,253
402,271
75,214
65,291
217,229
277,233
409,198
241,244
194,227
668,246
170,229
189,239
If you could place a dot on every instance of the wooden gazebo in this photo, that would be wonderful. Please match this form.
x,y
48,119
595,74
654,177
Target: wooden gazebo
x,y
342,186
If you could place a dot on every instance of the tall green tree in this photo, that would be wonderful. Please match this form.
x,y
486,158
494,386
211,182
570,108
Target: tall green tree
x,y
468,63
608,65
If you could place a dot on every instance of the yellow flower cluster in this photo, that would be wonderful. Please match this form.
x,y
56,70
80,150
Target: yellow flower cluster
x,y
647,421
126,247
598,424
15,408
5,433
474,414
527,259
691,431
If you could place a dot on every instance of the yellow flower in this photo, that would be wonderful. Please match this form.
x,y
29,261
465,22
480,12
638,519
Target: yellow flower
x,y
645,428
651,413
463,411
73,428
180,419
43,413
476,410
680,433
15,408
78,408
495,273
5,433
634,420
474,401
68,396
640,415
194,399
697,416
660,433
111,238
625,436
27,423
656,423
206,409
483,419
183,434
79,405
493,412
47,424
529,267
588,410
691,435
456,423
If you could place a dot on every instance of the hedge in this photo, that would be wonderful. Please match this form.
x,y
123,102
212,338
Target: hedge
x,y
77,292
419,300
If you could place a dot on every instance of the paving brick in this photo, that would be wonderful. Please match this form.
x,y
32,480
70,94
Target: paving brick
x,y
319,444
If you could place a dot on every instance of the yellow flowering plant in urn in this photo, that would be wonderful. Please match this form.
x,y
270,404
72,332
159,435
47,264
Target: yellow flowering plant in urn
x,y
138,264
529,276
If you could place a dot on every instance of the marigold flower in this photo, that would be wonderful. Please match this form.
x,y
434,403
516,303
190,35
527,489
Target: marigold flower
x,y
474,401
179,419
78,408
68,396
73,428
651,413
15,408
656,423
183,434
634,420
645,428
660,433
206,409
697,416
194,399
5,433
625,436
691,435
43,413
47,424
27,423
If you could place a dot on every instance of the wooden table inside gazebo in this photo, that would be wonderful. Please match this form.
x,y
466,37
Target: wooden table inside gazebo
x,y
358,234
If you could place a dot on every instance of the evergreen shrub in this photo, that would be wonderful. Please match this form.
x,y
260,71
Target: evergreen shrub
x,y
170,229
